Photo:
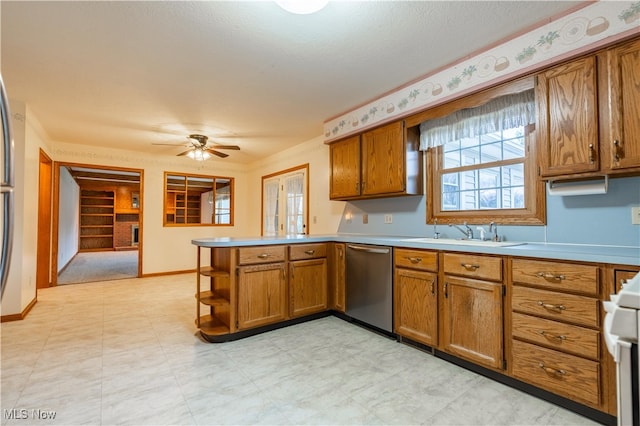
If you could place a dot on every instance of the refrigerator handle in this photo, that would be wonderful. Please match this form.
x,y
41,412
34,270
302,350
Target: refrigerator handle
x,y
7,178
7,237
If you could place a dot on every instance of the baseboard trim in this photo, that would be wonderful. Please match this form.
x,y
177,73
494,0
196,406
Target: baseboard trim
x,y
22,315
161,274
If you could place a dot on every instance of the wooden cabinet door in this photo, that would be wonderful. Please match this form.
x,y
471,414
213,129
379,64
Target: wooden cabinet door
x,y
416,305
473,320
345,169
261,295
383,160
308,286
568,118
621,141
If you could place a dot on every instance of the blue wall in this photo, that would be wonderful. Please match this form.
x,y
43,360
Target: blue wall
x,y
585,219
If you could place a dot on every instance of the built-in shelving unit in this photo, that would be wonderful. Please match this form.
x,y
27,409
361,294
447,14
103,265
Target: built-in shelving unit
x,y
213,295
97,216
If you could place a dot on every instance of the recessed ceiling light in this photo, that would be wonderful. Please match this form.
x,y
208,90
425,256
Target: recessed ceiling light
x,y
302,7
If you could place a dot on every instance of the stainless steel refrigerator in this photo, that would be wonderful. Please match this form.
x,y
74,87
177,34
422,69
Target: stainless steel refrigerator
x,y
6,189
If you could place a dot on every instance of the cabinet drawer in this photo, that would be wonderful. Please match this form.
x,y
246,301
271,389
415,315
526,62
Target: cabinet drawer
x,y
557,275
263,254
569,338
416,259
307,251
567,375
559,306
470,265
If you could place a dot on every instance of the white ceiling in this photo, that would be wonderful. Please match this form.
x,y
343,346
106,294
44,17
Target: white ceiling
x,y
128,74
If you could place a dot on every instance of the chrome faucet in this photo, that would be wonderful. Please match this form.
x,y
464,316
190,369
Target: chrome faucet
x,y
467,232
494,227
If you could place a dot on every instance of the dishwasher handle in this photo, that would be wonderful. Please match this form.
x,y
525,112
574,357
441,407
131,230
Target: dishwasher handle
x,y
369,249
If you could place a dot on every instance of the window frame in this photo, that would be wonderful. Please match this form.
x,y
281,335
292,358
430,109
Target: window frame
x,y
187,176
534,212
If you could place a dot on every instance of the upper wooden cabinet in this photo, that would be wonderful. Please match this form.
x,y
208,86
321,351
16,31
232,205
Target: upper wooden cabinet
x,y
568,118
385,161
588,113
619,69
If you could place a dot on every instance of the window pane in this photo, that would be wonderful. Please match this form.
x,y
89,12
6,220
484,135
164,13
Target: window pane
x,y
489,178
470,156
513,175
452,159
450,194
489,199
491,152
513,148
469,200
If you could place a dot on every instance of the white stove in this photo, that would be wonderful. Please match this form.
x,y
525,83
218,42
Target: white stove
x,y
622,331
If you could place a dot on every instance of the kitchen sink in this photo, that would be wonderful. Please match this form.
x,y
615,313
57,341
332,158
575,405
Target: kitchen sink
x,y
461,242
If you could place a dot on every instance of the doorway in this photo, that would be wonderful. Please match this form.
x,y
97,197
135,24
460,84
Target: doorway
x,y
97,233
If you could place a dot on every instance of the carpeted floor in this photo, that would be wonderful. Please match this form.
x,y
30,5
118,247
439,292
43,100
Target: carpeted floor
x,y
100,266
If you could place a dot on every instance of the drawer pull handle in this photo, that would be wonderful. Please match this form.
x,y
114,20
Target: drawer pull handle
x,y
592,153
263,255
470,266
415,259
551,307
553,336
446,291
433,288
310,252
549,276
551,370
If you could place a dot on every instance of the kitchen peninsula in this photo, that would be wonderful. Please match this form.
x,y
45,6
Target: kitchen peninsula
x,y
480,305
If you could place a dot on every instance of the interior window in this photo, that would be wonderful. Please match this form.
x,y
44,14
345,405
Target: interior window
x,y
482,160
197,200
285,206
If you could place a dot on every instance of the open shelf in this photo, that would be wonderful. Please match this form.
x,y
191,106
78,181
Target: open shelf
x,y
212,326
212,298
212,272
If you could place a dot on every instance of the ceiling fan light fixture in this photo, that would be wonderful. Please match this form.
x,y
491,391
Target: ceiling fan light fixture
x,y
199,155
302,7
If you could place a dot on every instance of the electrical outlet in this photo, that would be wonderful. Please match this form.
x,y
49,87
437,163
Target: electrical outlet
x,y
635,215
365,218
388,218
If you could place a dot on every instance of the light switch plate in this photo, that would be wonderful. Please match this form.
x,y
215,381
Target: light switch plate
x,y
388,218
365,218
635,215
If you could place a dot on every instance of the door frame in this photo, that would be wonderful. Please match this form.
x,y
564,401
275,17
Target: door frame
x,y
43,256
56,211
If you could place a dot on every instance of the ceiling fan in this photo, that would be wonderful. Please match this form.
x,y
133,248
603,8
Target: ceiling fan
x,y
200,150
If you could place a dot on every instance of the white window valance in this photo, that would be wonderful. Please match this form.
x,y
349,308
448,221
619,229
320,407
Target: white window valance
x,y
505,112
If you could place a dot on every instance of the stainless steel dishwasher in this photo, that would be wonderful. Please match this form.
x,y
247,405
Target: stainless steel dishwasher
x,y
369,293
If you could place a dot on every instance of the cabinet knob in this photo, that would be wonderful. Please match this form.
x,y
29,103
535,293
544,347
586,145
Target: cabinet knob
x,y
617,150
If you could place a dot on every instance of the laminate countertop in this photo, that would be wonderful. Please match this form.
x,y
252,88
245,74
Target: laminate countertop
x,y
620,255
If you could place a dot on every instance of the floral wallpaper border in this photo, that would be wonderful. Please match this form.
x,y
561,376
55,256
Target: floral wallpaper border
x,y
575,31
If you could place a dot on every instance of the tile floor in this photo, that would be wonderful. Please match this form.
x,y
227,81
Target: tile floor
x,y
125,352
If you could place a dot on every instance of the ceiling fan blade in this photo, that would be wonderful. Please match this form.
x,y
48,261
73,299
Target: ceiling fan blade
x,y
218,153
184,153
169,144
234,147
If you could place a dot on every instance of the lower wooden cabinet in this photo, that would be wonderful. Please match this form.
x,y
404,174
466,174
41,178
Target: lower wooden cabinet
x,y
308,286
473,321
337,274
416,305
567,375
262,295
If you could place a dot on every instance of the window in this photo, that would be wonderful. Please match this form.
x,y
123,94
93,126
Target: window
x,y
285,206
482,162
191,200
